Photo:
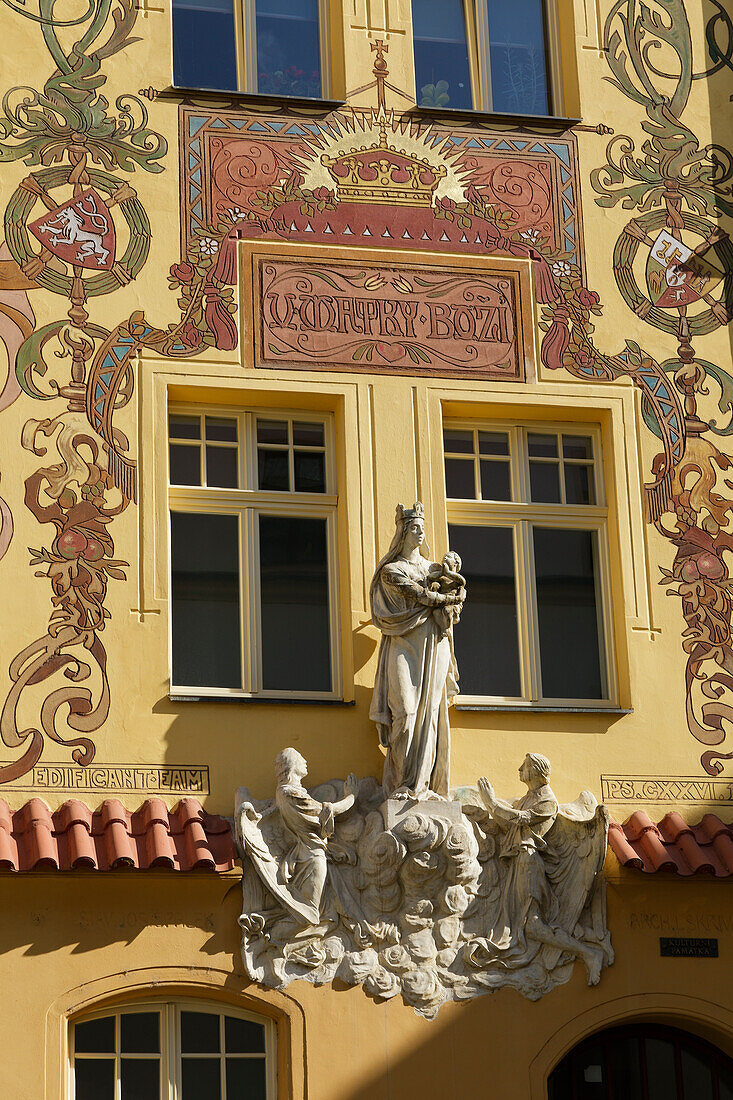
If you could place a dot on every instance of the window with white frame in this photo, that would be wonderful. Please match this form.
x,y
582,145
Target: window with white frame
x,y
527,515
172,1051
273,47
484,55
253,553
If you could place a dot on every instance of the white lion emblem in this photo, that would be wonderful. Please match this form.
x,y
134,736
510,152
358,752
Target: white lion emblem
x,y
66,228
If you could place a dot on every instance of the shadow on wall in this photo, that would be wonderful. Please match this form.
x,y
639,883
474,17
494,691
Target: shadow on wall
x,y
88,912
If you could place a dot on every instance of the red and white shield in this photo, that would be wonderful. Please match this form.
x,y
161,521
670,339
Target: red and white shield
x,y
80,231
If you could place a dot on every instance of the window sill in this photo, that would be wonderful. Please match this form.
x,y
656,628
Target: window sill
x,y
248,699
496,118
254,99
540,708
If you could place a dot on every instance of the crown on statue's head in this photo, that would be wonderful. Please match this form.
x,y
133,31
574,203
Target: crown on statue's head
x,y
404,515
383,174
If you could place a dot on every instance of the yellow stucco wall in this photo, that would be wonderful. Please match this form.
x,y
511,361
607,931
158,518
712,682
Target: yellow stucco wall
x,y
61,935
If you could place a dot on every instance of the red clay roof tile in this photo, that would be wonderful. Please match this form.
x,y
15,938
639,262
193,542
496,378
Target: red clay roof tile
x,y
112,838
674,845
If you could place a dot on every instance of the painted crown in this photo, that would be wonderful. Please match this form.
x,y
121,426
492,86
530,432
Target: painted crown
x,y
384,175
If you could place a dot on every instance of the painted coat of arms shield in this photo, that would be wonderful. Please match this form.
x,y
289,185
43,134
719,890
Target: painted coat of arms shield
x,y
80,231
677,276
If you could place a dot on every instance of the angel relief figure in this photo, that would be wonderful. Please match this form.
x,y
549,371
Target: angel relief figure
x,y
547,901
287,842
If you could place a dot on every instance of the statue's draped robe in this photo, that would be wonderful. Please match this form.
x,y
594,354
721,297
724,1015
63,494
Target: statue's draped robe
x,y
416,678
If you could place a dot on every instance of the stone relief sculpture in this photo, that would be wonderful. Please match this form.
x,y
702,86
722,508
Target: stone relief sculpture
x,y
408,888
414,603
446,900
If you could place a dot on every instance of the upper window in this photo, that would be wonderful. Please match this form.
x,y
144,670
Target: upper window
x,y
172,1051
274,47
484,55
253,553
527,516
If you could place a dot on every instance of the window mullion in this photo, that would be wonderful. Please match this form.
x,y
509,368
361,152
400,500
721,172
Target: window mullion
x,y
250,603
477,21
527,604
118,1059
245,29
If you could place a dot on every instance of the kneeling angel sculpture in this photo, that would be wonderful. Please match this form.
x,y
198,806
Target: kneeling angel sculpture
x,y
548,901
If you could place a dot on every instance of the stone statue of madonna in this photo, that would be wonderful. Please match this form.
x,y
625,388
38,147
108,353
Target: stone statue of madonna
x,y
415,603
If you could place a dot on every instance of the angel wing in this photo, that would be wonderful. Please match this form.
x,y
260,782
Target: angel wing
x,y
576,849
263,844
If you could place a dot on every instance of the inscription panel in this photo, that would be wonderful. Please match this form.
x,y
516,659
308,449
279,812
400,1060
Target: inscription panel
x,y
135,778
320,310
666,789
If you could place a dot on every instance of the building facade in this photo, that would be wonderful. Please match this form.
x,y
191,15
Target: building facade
x,y
272,269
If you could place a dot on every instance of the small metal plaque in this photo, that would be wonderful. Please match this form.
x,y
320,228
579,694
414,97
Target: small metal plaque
x,y
688,947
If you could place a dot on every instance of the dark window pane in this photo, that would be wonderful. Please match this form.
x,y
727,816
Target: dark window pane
x,y
203,44
288,47
140,1033
578,487
200,1033
725,1084
221,467
697,1077
541,445
140,1078
221,428
442,71
94,1079
544,482
184,427
95,1036
577,446
460,478
272,431
493,443
518,65
243,1036
568,617
246,1077
205,600
272,470
296,648
661,1074
560,1084
459,442
495,481
624,1068
307,434
185,465
201,1078
589,1072
310,472
486,643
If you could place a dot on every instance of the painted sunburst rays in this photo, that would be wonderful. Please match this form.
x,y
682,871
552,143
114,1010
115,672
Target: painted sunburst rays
x,y
347,133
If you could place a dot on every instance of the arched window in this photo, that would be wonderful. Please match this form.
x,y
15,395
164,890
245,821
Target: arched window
x,y
173,1050
643,1062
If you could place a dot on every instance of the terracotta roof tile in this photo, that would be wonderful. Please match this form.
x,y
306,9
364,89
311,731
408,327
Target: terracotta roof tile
x,y
674,845
76,838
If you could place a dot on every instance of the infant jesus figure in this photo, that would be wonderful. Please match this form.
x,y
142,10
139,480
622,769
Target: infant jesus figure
x,y
447,578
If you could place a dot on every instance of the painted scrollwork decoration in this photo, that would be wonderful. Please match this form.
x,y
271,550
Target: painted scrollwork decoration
x,y
673,264
62,228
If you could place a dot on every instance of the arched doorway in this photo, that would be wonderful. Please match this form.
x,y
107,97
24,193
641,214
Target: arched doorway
x,y
643,1062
